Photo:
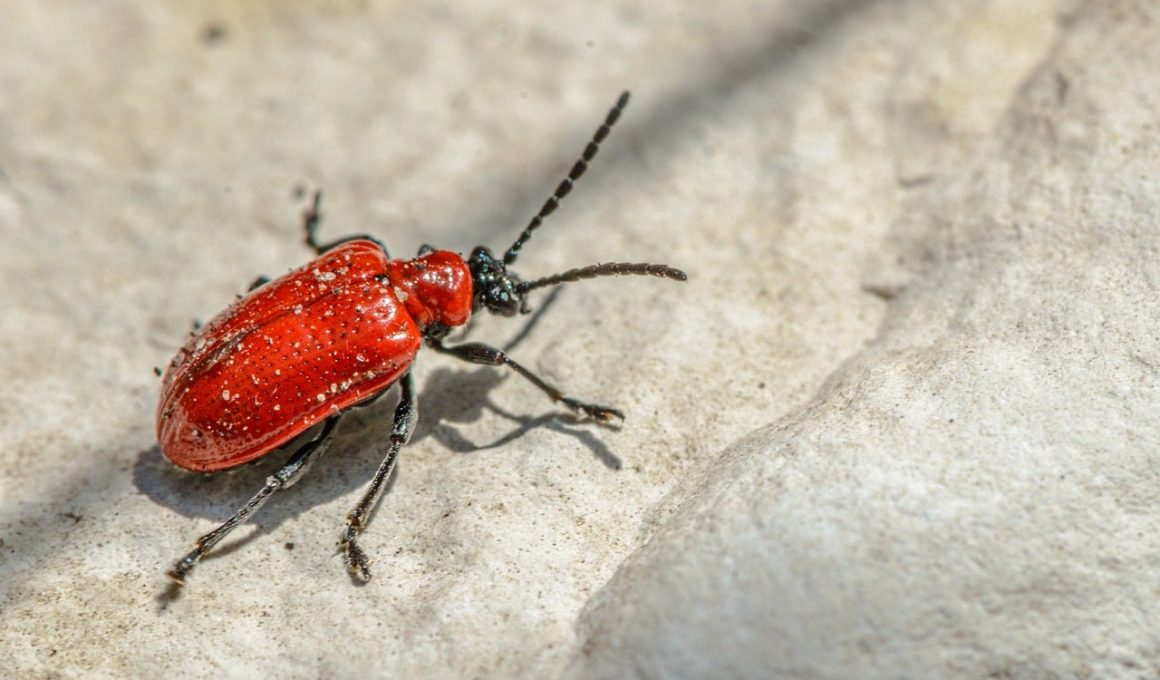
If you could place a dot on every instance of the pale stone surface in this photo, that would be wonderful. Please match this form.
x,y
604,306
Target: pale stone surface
x,y
974,494
898,423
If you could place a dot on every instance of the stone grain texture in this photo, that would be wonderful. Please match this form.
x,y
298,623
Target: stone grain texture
x,y
900,423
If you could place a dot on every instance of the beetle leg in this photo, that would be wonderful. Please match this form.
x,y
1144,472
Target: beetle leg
x,y
284,478
406,414
479,353
312,219
258,283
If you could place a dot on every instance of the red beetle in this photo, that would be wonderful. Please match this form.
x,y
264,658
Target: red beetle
x,y
335,334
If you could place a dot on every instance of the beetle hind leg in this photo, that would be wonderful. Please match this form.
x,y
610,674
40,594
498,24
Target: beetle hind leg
x,y
284,478
406,414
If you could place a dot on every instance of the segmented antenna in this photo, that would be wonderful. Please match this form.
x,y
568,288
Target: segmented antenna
x,y
566,186
608,269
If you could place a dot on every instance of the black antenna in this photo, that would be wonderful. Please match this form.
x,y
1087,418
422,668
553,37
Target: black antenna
x,y
566,186
609,269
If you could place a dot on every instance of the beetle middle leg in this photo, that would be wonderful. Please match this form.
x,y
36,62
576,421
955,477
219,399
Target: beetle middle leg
x,y
479,353
405,416
284,478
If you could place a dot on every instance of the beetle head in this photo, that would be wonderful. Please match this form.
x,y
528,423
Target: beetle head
x,y
494,287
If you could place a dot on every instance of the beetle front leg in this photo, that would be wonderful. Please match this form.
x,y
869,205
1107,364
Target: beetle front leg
x,y
479,353
284,478
406,414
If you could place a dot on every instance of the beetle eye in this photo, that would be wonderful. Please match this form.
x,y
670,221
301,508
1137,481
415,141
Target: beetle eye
x,y
501,301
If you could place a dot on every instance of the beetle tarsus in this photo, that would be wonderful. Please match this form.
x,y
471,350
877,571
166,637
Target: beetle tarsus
x,y
356,560
601,414
177,575
186,564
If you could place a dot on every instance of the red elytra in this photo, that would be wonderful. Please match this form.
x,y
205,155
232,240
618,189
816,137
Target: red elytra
x,y
299,351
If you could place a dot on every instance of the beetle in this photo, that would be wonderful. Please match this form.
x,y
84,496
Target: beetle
x,y
284,363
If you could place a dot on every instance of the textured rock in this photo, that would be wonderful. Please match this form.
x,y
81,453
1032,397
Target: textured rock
x,y
974,494
897,424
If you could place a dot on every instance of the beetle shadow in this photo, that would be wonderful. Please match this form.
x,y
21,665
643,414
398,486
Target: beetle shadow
x,y
456,400
448,390
449,400
218,495
452,398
